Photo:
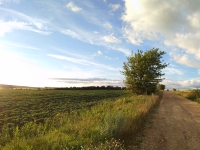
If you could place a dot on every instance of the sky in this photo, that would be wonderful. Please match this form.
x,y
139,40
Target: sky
x,y
63,43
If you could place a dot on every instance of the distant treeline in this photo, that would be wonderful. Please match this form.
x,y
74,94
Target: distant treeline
x,y
90,88
14,87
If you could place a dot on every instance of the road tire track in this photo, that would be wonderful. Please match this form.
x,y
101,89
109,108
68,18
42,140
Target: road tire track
x,y
174,126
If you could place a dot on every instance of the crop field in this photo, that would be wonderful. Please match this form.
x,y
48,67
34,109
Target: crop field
x,y
18,107
77,120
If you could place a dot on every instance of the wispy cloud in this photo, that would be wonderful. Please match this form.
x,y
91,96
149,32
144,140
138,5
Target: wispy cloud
x,y
9,1
73,7
19,45
70,52
14,25
115,58
111,39
114,7
98,53
173,71
107,25
71,33
91,81
82,62
108,41
22,22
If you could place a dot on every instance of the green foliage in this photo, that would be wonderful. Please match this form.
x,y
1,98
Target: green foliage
x,y
161,87
143,71
99,127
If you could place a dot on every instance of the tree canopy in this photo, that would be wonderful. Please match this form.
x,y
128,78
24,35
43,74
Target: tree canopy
x,y
143,71
161,87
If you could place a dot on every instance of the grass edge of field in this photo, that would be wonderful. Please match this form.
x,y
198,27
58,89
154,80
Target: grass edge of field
x,y
193,95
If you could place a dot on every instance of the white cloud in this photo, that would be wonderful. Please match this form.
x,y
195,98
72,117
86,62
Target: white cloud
x,y
192,83
115,7
73,7
162,21
82,62
107,25
71,33
99,53
173,71
9,26
184,59
116,58
23,22
13,25
182,84
111,39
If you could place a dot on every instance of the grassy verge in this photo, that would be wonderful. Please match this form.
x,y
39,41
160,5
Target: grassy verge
x,y
193,95
109,125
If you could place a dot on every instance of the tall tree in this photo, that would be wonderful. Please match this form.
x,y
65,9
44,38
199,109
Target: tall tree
x,y
143,71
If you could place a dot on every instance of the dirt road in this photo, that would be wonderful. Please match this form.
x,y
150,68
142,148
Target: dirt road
x,y
174,126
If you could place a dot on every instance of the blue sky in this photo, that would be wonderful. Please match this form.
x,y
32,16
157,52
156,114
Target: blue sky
x,y
84,43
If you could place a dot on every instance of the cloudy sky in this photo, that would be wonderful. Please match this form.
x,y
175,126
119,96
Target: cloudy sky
x,y
84,43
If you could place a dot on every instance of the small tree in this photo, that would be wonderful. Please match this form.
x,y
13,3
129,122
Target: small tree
x,y
143,71
174,89
161,87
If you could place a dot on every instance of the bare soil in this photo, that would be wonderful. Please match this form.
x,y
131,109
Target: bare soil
x,y
174,126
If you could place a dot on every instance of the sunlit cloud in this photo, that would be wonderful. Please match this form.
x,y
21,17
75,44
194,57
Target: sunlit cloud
x,y
184,59
73,7
111,39
167,24
98,53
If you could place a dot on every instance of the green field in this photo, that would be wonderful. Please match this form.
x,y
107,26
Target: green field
x,y
18,107
64,119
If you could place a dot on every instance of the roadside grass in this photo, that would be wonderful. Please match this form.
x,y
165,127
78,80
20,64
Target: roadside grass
x,y
111,124
193,95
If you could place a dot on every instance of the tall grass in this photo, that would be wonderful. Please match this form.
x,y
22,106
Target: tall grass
x,y
109,125
193,95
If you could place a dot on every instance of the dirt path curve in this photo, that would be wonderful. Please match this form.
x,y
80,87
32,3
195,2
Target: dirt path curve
x,y
174,126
